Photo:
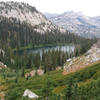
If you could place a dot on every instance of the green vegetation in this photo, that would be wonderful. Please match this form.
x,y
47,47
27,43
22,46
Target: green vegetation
x,y
18,35
15,35
81,85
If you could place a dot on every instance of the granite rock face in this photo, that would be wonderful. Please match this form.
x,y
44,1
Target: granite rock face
x,y
27,14
77,23
91,57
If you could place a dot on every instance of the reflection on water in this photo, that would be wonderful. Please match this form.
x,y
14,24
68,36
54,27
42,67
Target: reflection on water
x,y
68,48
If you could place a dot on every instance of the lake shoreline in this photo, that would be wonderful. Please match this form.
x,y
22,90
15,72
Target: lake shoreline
x,y
41,46
64,48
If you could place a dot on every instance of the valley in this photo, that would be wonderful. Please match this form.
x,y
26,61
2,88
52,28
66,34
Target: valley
x,y
53,58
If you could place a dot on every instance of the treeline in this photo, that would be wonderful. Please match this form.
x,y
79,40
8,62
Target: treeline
x,y
47,61
17,34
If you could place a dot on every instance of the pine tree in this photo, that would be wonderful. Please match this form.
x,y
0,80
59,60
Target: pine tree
x,y
68,90
23,72
75,90
37,60
47,89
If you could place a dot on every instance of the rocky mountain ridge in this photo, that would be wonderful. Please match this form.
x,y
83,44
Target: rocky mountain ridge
x,y
27,14
77,23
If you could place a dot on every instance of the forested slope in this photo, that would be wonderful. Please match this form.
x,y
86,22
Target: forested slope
x,y
14,33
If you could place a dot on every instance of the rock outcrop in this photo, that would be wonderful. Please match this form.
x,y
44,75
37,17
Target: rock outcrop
x,y
91,57
32,73
30,94
40,72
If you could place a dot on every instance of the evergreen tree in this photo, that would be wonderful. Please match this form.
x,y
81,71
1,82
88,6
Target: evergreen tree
x,y
68,90
47,89
37,60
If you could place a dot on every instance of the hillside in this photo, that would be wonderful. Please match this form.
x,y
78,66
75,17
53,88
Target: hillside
x,y
85,82
16,34
90,57
27,14
77,23
22,25
82,84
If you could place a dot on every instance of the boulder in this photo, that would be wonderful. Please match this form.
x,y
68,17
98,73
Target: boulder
x,y
32,73
58,68
40,72
30,94
2,65
68,60
27,75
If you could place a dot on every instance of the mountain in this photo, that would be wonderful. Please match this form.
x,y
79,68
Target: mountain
x,y
48,15
27,14
77,23
22,25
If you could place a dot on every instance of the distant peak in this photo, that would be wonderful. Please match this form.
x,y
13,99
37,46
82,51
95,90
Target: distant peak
x,y
73,12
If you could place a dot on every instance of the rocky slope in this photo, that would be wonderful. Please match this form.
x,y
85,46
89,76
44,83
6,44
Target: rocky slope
x,y
91,57
77,23
27,14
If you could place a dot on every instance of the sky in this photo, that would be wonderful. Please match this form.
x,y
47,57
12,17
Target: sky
x,y
87,7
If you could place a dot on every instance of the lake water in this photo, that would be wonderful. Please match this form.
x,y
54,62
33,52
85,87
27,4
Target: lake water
x,y
67,48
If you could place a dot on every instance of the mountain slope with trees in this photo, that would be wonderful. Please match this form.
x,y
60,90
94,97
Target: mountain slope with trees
x,y
16,34
27,14
33,29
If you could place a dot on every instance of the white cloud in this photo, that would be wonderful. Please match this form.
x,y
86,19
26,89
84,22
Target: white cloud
x,y
87,7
